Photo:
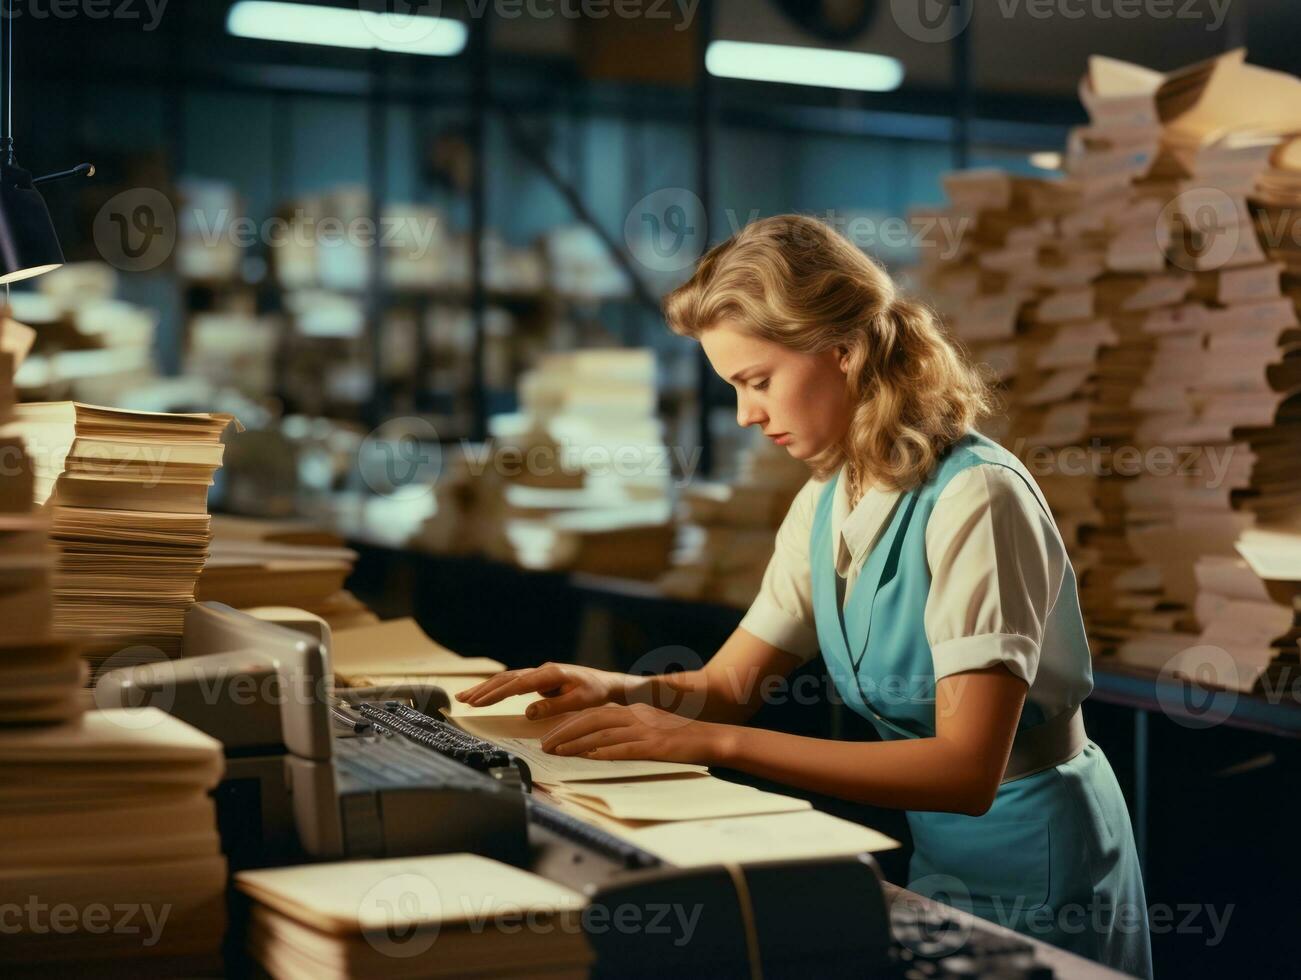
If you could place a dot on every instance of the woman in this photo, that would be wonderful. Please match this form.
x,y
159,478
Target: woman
x,y
923,561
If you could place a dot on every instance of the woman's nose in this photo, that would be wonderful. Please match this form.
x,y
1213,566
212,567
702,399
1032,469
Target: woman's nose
x,y
747,413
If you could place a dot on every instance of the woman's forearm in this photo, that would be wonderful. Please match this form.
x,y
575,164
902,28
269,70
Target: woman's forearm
x,y
908,774
693,694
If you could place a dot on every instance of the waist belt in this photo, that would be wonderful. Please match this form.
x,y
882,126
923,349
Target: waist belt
x,y
1048,744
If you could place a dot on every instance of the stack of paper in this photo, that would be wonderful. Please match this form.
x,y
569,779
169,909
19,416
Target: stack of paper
x,y
254,562
108,846
126,493
90,344
1147,354
40,673
661,800
448,915
728,528
1249,610
578,479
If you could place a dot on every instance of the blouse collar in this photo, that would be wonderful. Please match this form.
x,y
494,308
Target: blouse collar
x,y
855,531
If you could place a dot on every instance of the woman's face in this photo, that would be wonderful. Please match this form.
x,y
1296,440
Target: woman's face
x,y
798,400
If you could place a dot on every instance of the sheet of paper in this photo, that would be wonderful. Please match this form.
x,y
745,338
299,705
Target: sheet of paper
x,y
775,836
399,646
460,887
679,798
522,737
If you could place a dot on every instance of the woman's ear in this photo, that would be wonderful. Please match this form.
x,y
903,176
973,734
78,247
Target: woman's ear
x,y
842,359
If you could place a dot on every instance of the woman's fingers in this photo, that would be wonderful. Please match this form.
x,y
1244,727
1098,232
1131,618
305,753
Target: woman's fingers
x,y
574,700
496,680
584,723
635,749
598,739
520,682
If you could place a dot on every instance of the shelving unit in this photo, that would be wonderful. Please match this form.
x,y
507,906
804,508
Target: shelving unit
x,y
958,118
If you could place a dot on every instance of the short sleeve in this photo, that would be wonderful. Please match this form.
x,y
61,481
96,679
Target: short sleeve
x,y
782,612
997,565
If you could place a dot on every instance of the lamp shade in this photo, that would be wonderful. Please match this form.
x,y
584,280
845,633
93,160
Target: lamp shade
x,y
28,245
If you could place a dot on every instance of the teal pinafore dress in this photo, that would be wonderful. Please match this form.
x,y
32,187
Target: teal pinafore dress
x,y
1054,857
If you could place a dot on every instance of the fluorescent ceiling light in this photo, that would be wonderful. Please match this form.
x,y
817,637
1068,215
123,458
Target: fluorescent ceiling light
x,y
1046,160
825,67
346,27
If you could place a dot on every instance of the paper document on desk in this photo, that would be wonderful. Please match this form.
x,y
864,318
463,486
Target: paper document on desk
x,y
329,897
522,737
770,837
451,684
399,646
677,798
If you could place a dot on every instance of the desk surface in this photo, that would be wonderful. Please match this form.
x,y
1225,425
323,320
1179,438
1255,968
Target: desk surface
x,y
1113,682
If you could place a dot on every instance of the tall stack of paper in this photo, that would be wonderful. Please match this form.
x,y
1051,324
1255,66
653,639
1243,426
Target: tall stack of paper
x,y
126,494
109,853
728,528
581,473
40,673
1146,352
448,915
1248,607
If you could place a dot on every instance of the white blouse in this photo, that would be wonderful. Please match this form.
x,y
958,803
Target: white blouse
x,y
997,564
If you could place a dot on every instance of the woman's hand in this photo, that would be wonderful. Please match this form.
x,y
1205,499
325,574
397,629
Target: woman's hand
x,y
566,687
639,731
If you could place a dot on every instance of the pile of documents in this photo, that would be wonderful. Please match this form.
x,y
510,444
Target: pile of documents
x,y
727,529
281,563
40,673
578,479
90,345
447,915
1147,349
126,495
109,855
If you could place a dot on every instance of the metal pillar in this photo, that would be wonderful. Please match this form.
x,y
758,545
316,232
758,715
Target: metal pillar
x,y
706,131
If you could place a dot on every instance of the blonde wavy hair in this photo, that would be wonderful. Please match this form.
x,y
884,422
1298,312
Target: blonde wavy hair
x,y
796,281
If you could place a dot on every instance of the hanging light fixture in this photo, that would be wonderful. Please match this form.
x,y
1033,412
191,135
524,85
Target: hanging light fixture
x,y
28,244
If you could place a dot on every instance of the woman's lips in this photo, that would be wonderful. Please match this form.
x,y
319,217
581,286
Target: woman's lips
x,y
781,439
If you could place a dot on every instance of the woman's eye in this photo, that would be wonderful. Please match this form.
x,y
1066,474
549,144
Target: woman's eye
x,y
762,384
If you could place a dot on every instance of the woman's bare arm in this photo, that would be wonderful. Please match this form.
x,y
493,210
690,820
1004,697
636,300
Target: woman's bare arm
x,y
729,688
959,769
